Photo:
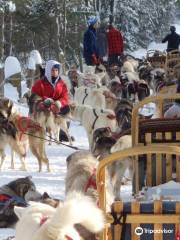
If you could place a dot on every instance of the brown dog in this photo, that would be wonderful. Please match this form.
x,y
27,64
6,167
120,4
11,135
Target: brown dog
x,y
19,132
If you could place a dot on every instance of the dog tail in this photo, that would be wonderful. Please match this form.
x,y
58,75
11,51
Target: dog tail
x,y
77,209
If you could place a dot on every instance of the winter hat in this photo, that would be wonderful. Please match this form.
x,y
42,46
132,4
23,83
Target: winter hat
x,y
92,20
172,28
49,65
56,66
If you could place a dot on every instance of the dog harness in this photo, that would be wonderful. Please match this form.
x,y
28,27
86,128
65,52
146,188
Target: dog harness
x,y
68,238
91,181
43,220
7,201
86,94
96,117
30,124
4,198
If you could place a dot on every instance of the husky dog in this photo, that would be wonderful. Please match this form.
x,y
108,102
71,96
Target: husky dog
x,y
81,176
103,140
118,168
16,193
47,117
90,96
6,107
105,143
93,118
123,112
96,97
20,132
42,222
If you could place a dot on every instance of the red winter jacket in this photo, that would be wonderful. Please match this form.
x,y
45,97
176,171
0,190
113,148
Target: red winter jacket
x,y
115,41
45,89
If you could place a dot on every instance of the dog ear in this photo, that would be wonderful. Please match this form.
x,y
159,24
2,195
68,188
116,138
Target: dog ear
x,y
29,177
45,195
19,211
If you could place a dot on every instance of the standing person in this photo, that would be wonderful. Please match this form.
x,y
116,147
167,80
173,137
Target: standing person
x,y
102,43
173,40
91,54
115,45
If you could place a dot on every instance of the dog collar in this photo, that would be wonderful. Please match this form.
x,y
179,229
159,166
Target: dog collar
x,y
68,238
43,220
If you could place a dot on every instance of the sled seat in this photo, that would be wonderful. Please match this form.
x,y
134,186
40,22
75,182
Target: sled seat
x,y
151,220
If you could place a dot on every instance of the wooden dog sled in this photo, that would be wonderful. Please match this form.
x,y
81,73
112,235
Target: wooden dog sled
x,y
156,147
135,220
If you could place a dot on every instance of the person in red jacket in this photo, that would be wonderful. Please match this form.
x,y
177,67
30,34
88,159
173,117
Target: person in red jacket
x,y
52,89
115,45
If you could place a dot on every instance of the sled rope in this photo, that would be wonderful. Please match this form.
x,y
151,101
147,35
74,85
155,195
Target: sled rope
x,y
52,140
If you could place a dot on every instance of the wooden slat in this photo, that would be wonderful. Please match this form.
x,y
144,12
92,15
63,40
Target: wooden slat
x,y
158,209
148,140
135,208
178,212
102,201
168,136
178,168
168,167
153,218
118,208
178,161
158,163
177,135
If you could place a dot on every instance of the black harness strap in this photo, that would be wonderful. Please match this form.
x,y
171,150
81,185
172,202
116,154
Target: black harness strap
x,y
95,114
86,94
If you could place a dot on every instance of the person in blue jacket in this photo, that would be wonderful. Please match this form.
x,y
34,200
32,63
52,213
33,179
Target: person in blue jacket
x,y
90,53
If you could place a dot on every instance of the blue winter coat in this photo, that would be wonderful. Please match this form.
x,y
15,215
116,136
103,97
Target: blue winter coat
x,y
90,45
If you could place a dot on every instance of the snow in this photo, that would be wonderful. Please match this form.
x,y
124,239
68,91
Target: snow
x,y
140,53
34,58
169,190
31,64
157,46
12,66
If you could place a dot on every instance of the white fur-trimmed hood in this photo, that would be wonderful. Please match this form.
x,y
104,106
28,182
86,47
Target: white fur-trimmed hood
x,y
48,68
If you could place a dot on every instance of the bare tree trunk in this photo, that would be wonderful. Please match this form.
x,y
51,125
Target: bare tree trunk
x,y
8,33
64,21
98,5
111,11
60,54
1,53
